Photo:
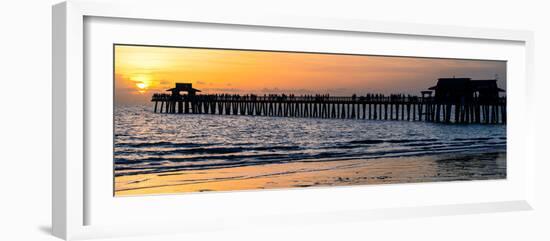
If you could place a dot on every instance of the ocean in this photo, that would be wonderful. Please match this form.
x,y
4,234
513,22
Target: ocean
x,y
153,143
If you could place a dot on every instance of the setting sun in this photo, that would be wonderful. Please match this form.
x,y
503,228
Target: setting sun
x,y
142,81
141,85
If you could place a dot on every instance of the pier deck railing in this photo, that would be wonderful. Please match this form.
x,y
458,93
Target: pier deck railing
x,y
371,107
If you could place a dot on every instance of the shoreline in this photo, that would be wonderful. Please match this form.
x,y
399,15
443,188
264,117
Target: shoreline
x,y
409,169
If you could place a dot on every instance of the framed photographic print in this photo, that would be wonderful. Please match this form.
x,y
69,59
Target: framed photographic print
x,y
256,119
203,121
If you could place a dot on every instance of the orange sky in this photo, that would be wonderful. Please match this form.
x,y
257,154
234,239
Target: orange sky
x,y
141,71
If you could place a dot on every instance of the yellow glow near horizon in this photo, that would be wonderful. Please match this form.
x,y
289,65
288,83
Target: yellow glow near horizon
x,y
142,70
142,81
141,85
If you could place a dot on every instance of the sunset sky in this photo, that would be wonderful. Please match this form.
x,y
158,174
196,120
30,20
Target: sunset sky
x,y
141,71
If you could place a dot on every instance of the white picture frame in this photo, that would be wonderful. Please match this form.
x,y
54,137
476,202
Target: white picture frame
x,y
71,191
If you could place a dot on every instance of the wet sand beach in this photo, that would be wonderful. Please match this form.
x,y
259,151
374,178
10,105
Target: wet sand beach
x,y
319,173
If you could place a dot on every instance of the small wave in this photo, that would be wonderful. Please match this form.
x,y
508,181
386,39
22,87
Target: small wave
x,y
348,146
208,150
367,142
473,139
409,140
161,144
423,144
378,141
227,158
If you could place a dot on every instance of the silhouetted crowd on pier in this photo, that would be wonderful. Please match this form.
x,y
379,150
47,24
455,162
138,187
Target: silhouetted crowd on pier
x,y
290,97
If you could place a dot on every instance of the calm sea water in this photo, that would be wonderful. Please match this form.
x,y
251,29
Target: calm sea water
x,y
147,142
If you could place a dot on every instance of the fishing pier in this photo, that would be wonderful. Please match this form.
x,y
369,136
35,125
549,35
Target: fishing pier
x,y
460,101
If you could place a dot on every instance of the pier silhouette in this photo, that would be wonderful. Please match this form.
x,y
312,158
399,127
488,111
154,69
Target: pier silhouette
x,y
455,100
